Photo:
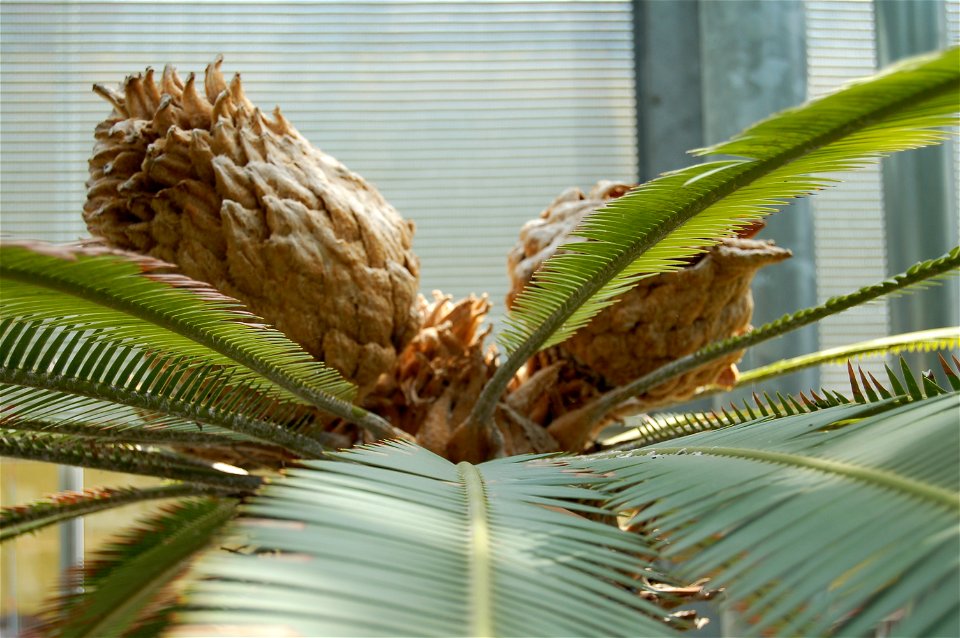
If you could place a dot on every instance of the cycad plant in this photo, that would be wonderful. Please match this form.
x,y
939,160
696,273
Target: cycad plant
x,y
289,508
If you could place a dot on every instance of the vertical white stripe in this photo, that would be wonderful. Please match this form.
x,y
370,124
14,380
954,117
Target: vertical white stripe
x,y
848,219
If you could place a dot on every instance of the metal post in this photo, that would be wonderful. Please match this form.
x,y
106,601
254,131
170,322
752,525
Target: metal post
x,y
71,532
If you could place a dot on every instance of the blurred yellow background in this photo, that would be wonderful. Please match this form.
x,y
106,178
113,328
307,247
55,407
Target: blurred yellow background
x,y
29,565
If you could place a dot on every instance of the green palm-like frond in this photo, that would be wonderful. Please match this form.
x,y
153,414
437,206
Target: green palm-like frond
x,y
133,301
864,388
129,578
58,508
130,300
51,373
132,459
149,433
394,540
921,341
656,226
816,524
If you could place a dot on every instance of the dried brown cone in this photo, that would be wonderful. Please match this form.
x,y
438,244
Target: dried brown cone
x,y
199,177
440,373
663,318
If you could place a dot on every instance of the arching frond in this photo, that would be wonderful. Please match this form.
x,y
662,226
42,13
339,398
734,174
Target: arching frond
x,y
143,433
656,226
128,581
393,540
815,524
54,363
20,519
129,300
920,341
864,388
131,459
132,300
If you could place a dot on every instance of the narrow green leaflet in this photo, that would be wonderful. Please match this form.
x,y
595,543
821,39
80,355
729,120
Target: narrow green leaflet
x,y
815,524
130,576
392,540
659,224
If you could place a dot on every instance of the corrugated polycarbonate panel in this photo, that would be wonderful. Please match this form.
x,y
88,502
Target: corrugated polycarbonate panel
x,y
469,116
848,219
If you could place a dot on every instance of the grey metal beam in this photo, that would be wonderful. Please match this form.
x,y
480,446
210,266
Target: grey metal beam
x,y
753,64
668,84
919,187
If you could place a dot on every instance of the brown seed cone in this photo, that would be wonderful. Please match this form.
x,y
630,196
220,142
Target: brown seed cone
x,y
663,318
199,177
440,373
